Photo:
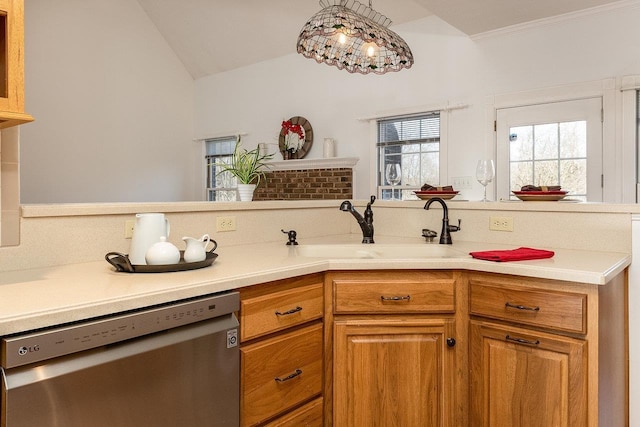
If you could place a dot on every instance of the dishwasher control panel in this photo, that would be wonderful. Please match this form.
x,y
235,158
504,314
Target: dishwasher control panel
x,y
59,341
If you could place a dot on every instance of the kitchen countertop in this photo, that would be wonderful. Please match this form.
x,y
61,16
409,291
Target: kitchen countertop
x,y
42,297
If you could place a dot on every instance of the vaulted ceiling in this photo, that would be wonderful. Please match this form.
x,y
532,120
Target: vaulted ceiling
x,y
213,36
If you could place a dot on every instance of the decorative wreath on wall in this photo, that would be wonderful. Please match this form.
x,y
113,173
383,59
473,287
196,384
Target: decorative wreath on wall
x,y
296,138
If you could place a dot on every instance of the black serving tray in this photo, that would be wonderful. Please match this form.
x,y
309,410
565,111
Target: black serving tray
x,y
122,264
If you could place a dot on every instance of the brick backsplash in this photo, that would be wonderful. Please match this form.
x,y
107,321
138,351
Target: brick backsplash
x,y
306,184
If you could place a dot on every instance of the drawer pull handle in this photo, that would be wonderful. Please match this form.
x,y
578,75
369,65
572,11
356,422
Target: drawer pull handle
x,y
292,311
521,307
522,340
297,372
396,298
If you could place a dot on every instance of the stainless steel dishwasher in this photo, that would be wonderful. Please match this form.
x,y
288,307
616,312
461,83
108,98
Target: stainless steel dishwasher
x,y
170,365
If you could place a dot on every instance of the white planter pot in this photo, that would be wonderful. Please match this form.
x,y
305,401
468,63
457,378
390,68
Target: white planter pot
x,y
245,191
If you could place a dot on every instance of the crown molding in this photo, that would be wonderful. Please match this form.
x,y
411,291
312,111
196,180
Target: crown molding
x,y
552,20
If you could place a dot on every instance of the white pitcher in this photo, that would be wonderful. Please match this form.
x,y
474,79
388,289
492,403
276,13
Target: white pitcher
x,y
197,248
147,230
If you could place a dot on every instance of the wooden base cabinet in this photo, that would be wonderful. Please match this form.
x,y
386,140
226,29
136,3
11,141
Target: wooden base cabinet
x,y
281,353
434,348
547,353
392,372
309,415
280,373
395,359
527,378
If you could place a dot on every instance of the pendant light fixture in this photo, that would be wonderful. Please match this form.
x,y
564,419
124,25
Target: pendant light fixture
x,y
353,37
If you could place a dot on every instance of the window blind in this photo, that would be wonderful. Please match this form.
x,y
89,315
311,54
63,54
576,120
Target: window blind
x,y
409,130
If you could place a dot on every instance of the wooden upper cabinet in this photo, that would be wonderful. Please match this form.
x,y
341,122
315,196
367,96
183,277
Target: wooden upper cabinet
x,y
12,64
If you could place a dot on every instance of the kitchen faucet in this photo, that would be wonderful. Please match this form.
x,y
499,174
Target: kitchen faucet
x,y
366,222
445,234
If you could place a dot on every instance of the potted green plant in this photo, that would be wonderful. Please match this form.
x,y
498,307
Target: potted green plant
x,y
248,166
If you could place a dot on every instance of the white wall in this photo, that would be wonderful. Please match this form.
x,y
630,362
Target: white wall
x,y
116,111
450,68
113,107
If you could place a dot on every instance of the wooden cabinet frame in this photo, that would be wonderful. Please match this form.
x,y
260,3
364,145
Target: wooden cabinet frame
x,y
12,64
437,315
590,340
604,310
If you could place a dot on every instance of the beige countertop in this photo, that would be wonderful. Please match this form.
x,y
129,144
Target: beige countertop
x,y
36,298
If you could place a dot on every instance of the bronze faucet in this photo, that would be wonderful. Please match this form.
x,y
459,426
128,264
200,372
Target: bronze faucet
x,y
366,222
445,234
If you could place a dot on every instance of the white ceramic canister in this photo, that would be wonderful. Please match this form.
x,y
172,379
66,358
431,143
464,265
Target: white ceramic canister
x,y
147,230
329,148
162,253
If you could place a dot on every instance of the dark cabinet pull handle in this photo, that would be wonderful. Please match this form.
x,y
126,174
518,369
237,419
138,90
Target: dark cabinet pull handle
x,y
522,340
451,342
297,372
396,298
293,310
521,307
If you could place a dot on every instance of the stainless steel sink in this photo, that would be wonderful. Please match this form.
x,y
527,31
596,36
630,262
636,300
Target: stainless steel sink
x,y
387,251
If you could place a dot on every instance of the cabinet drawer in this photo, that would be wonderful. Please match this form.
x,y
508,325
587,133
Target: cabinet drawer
x,y
280,373
563,311
309,415
262,315
390,296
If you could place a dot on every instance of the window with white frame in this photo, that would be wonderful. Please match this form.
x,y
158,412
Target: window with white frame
x,y
550,154
221,186
558,143
408,155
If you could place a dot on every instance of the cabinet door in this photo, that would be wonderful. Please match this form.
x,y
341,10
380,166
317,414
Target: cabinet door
x,y
12,64
392,372
524,378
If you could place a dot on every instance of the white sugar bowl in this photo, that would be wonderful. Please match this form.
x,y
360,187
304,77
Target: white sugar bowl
x,y
162,253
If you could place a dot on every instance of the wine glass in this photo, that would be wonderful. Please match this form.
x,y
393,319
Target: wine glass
x,y
485,172
393,174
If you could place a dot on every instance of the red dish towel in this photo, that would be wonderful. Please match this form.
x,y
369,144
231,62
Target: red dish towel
x,y
519,254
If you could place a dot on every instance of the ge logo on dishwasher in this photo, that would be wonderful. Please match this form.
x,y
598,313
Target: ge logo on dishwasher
x,y
25,350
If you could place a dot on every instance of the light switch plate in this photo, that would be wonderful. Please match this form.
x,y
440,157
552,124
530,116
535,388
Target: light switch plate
x,y
128,228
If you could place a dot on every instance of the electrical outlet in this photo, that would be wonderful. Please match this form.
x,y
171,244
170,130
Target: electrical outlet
x,y
501,223
225,223
128,228
462,182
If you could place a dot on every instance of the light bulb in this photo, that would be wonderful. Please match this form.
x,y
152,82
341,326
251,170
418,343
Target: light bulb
x,y
342,38
371,51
